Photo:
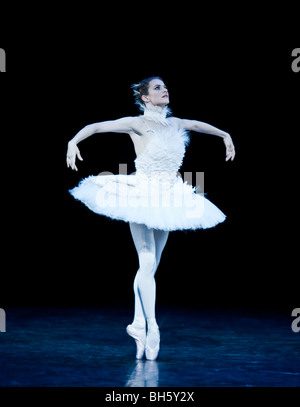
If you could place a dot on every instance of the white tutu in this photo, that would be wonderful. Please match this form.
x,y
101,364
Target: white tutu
x,y
155,195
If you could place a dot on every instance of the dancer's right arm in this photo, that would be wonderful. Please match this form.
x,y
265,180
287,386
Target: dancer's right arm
x,y
124,125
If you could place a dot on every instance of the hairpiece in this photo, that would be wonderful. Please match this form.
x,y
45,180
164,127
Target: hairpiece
x,y
136,92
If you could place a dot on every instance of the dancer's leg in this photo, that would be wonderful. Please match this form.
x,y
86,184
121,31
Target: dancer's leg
x,y
153,337
144,242
139,318
149,244
160,239
144,283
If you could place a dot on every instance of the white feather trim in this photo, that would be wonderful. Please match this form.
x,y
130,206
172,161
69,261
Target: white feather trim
x,y
156,114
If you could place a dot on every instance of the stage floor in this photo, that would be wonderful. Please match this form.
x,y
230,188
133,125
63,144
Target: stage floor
x,y
88,347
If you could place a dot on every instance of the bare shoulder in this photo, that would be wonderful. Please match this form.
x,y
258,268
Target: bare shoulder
x,y
179,123
186,124
130,121
123,125
138,125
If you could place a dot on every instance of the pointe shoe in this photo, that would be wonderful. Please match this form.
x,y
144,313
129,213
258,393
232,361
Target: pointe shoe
x,y
152,353
139,335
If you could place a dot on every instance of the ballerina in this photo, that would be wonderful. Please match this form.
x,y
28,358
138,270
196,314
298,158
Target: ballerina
x,y
154,200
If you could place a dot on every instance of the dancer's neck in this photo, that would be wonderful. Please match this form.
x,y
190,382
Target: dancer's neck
x,y
158,114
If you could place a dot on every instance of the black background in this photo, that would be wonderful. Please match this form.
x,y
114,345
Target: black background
x,y
72,69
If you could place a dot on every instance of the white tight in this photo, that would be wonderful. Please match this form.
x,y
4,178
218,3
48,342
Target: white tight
x,y
149,244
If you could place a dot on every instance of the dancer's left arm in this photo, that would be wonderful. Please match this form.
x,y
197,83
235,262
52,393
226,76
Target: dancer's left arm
x,y
201,127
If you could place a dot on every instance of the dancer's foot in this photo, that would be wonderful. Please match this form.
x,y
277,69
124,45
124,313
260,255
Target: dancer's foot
x,y
139,335
152,343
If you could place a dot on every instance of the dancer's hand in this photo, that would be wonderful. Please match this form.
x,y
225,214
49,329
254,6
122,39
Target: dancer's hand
x,y
230,150
72,153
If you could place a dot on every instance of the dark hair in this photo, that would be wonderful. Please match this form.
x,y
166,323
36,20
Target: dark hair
x,y
142,88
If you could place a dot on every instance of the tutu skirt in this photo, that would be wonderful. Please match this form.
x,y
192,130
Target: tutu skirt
x,y
159,203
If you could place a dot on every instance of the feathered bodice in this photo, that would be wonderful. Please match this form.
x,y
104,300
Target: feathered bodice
x,y
163,154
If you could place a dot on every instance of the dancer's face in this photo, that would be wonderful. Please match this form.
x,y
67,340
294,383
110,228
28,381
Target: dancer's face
x,y
157,93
